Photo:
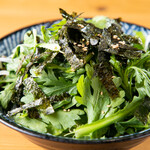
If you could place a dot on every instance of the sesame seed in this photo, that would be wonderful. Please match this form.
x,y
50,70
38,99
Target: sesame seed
x,y
85,48
79,45
103,112
80,25
69,110
81,60
122,42
115,36
115,46
83,40
72,69
83,45
74,43
101,93
108,106
87,43
99,35
64,110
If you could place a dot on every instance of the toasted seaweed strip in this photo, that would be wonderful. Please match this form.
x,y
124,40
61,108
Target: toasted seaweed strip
x,y
79,38
68,53
25,107
32,87
33,59
42,102
104,71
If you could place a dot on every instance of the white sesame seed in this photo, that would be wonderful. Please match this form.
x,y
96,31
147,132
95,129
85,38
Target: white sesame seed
x,y
85,48
115,36
115,46
122,42
80,25
103,112
79,45
99,35
87,43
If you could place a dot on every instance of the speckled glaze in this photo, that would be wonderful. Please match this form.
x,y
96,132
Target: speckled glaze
x,y
60,143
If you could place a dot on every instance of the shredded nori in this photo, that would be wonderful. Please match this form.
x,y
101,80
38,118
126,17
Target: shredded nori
x,y
78,38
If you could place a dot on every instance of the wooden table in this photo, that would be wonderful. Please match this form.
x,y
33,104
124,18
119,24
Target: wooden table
x,y
15,14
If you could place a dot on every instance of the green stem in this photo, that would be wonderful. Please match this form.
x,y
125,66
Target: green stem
x,y
89,128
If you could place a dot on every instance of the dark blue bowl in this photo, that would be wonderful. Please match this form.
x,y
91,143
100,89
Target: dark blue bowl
x,y
51,142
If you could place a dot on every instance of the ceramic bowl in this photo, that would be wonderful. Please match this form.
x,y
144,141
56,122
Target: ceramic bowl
x,y
61,143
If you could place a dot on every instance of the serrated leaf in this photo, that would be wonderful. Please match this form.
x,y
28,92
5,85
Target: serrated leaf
x,y
62,118
57,89
45,34
51,85
27,98
95,102
51,46
33,124
6,95
119,100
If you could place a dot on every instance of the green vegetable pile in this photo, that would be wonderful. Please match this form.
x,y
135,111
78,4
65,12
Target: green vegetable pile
x,y
79,79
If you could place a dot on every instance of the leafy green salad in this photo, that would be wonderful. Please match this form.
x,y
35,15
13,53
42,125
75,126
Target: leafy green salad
x,y
80,78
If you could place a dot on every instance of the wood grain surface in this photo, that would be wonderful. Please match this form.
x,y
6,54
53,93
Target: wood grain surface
x,y
16,14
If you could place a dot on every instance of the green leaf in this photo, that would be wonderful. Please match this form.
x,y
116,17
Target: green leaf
x,y
51,46
55,130
133,122
100,21
80,86
120,129
63,119
61,103
117,65
51,85
119,100
73,103
117,81
7,94
89,70
140,35
45,34
55,28
29,38
105,122
13,65
95,101
142,75
27,98
33,124
58,88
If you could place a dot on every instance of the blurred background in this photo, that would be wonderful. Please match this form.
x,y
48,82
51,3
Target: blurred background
x,y
16,14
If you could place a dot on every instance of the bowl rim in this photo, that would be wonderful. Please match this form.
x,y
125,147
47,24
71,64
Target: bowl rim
x,y
11,124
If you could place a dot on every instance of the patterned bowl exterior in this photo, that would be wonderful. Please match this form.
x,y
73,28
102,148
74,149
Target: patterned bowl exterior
x,y
7,44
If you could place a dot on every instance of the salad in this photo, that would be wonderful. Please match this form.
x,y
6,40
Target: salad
x,y
81,78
